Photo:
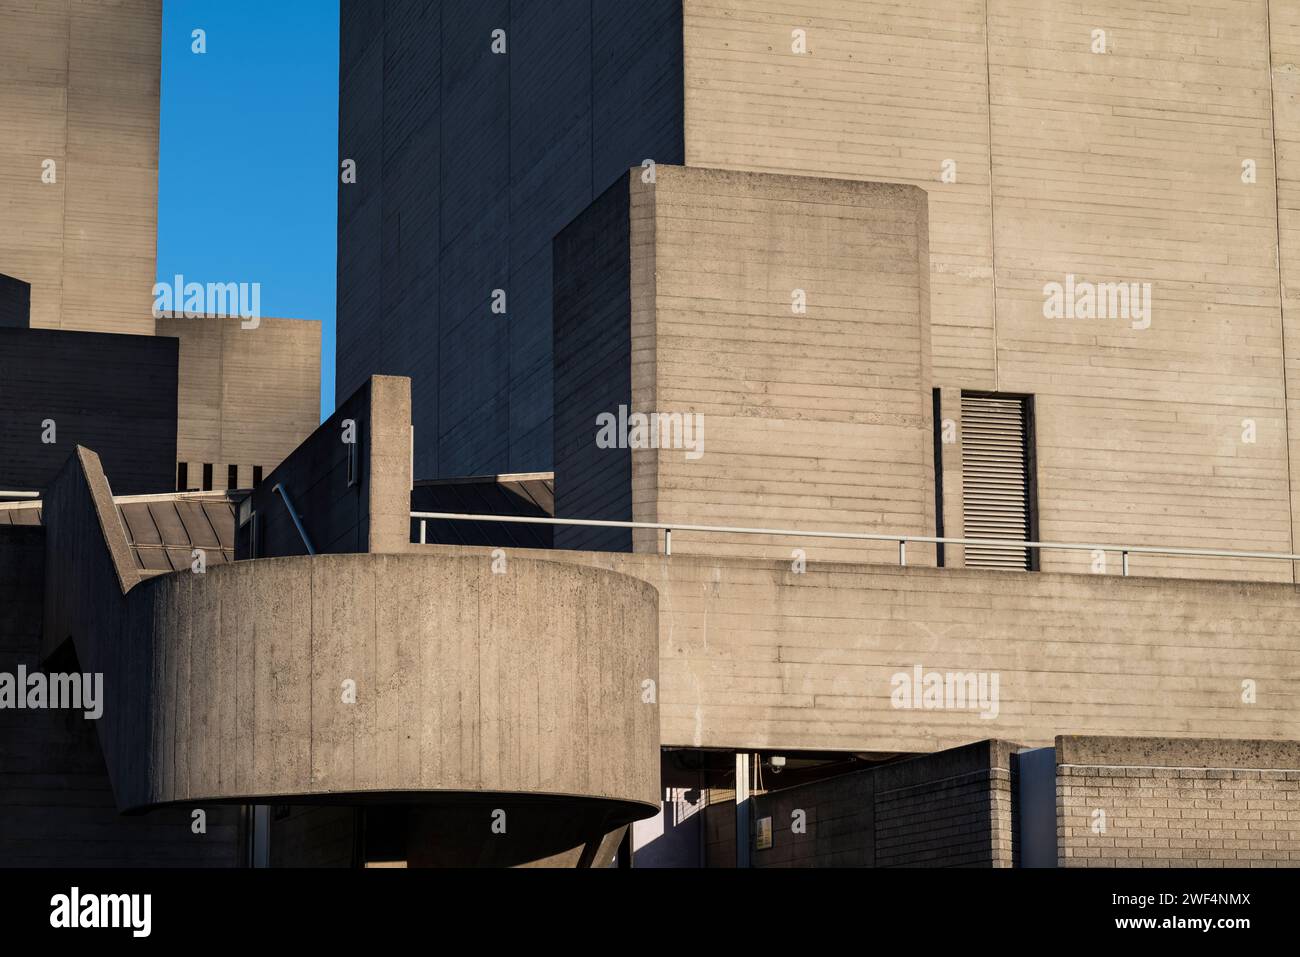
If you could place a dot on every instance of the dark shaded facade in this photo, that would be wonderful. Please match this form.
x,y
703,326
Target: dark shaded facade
x,y
115,393
56,799
15,303
468,163
593,373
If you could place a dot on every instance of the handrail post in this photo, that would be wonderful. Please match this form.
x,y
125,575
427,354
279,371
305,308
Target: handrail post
x,y
1124,563
668,541
902,551
423,524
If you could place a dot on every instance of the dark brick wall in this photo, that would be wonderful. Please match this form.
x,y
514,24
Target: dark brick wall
x,y
468,164
115,394
56,803
593,370
949,809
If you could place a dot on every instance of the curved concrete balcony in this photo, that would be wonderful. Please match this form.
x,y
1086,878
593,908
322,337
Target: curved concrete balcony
x,y
351,677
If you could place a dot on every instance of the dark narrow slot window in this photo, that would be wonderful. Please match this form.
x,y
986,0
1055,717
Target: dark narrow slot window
x,y
232,476
998,486
257,475
938,478
182,476
207,476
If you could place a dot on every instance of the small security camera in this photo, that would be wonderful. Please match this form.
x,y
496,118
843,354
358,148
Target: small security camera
x,y
778,763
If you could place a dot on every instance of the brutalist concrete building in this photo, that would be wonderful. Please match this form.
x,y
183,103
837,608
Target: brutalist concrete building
x,y
847,435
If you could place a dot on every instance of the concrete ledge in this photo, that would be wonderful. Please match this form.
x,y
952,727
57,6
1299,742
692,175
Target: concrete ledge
x,y
1176,752
757,656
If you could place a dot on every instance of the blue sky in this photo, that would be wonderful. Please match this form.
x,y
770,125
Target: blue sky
x,y
247,168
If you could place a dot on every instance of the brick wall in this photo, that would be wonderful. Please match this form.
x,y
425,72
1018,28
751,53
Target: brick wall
x,y
1149,802
949,809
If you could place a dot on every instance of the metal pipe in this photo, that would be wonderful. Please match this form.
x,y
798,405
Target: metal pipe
x,y
293,514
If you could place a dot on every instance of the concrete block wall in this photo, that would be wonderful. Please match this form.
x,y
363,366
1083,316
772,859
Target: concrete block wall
x,y
1134,802
840,820
948,809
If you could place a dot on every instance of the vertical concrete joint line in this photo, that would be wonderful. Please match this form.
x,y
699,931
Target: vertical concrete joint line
x,y
1281,295
993,234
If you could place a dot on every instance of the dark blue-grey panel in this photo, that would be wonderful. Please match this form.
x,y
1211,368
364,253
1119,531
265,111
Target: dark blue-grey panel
x,y
475,114
15,303
639,84
593,370
115,394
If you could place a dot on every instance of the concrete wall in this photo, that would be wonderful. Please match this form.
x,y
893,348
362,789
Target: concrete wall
x,y
1139,802
56,803
526,683
756,656
372,513
1124,166
468,163
247,397
818,419
950,809
300,678
114,393
89,569
79,85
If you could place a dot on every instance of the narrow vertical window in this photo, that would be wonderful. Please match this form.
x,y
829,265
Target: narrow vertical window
x,y
232,476
998,488
182,476
207,476
938,477
257,475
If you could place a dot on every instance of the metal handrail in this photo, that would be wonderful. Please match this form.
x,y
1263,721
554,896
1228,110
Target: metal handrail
x,y
11,494
900,539
293,514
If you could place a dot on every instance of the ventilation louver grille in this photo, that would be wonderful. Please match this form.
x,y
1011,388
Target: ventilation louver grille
x,y
994,496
